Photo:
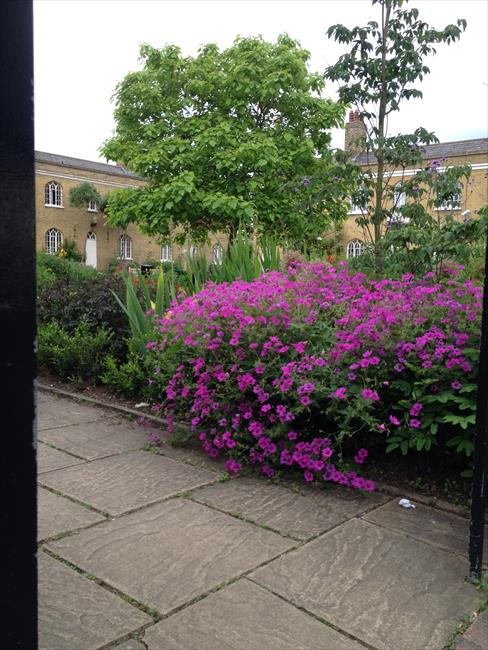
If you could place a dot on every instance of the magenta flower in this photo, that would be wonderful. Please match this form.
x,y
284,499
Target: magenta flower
x,y
340,393
414,424
232,467
456,385
394,420
416,409
369,394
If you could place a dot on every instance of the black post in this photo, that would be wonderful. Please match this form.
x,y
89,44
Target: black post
x,y
478,500
18,321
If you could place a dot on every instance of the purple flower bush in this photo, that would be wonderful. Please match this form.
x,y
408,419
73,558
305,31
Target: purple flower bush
x,y
295,370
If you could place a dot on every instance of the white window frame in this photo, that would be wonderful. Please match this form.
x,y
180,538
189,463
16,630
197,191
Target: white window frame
x,y
454,203
354,248
165,253
217,254
53,241
53,195
92,206
125,247
354,209
399,197
193,251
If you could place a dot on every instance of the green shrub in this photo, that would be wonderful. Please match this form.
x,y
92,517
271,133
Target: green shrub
x,y
64,268
69,301
128,378
73,355
45,277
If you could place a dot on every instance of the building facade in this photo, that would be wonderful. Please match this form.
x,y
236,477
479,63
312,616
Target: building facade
x,y
471,198
57,222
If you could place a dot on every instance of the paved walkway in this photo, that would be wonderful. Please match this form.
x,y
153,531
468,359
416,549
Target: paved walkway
x,y
143,550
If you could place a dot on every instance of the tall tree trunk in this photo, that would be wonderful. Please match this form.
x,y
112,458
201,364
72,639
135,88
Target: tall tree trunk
x,y
380,152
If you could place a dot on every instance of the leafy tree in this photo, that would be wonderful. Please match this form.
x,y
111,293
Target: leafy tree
x,y
81,195
386,59
227,140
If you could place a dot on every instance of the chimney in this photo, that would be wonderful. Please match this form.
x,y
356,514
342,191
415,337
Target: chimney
x,y
355,134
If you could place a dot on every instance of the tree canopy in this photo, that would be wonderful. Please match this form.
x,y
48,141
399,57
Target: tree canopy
x,y
227,139
385,61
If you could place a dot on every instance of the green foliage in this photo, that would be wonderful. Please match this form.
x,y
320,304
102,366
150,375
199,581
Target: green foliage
x,y
70,251
71,300
60,267
226,139
420,243
385,60
44,277
73,355
139,321
81,195
128,378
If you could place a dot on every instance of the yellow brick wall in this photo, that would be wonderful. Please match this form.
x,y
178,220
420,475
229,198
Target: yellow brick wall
x,y
473,196
76,223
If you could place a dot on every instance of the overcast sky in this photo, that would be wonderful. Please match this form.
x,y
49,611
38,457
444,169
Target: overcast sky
x,y
83,48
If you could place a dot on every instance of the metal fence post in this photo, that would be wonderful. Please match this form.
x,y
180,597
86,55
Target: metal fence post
x,y
479,490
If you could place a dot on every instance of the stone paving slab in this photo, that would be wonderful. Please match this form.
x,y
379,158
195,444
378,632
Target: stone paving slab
x,y
59,515
344,501
121,483
130,644
193,456
169,553
244,616
49,458
476,636
77,614
428,524
389,590
54,412
97,439
270,504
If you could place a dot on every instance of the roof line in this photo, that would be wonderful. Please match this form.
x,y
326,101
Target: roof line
x,y
116,170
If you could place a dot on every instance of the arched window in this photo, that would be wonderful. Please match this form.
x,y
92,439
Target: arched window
x,y
53,194
53,240
193,251
217,253
92,206
125,247
354,248
166,254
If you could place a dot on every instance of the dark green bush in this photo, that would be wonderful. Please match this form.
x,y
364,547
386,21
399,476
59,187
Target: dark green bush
x,y
76,355
69,301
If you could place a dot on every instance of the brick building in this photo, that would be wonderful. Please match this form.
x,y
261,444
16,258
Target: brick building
x,y
471,198
58,222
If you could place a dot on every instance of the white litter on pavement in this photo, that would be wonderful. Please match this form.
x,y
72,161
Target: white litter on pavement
x,y
141,404
406,503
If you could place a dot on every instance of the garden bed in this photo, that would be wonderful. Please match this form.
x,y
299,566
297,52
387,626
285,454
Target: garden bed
x,y
394,474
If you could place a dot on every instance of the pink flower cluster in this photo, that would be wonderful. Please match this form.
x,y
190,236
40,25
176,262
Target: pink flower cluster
x,y
263,382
